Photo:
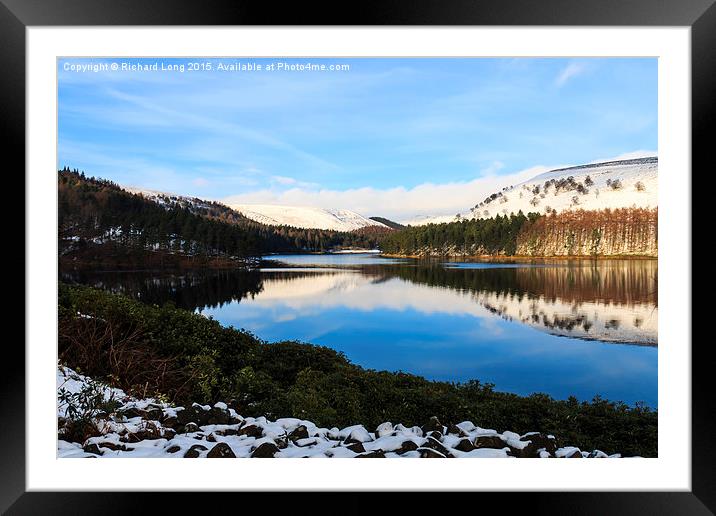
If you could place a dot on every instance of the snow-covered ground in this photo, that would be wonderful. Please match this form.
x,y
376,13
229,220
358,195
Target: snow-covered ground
x,y
305,217
150,428
613,184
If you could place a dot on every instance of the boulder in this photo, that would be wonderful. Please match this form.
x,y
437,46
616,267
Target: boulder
x,y
456,430
429,453
218,416
435,435
114,446
92,448
432,425
539,440
384,429
173,449
190,428
211,438
465,445
406,447
131,412
359,435
375,454
300,432
221,451
251,430
265,451
154,414
194,451
356,447
434,444
489,441
170,422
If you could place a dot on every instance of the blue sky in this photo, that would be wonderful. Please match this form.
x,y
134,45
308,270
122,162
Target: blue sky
x,y
402,131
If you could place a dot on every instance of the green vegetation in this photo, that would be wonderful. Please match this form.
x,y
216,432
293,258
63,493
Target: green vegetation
x,y
391,224
497,235
148,349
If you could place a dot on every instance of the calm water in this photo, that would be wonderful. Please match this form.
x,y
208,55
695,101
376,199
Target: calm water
x,y
581,328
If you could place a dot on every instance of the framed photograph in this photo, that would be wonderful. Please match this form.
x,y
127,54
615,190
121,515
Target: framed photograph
x,y
436,233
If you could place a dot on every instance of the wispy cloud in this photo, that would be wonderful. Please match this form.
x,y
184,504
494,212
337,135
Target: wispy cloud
x,y
568,72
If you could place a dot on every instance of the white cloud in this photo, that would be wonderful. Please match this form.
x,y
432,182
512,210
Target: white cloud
x,y
398,203
569,71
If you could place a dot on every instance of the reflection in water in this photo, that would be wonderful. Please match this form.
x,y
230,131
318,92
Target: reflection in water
x,y
187,289
445,323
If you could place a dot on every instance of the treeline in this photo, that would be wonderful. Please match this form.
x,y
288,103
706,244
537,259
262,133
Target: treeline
x,y
469,237
100,220
608,232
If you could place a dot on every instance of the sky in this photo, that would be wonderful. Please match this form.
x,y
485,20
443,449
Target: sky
x,y
394,137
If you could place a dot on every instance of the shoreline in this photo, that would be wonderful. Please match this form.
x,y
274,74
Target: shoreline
x,y
508,258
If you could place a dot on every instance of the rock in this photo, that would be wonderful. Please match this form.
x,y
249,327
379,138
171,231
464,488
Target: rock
x,y
221,451
228,431
194,414
168,433
218,416
375,454
170,422
154,414
432,425
576,454
384,429
429,453
265,451
190,428
465,445
356,447
114,446
301,432
251,431
406,447
211,438
193,452
456,430
133,412
281,442
359,435
489,441
435,435
92,448
539,440
598,454
173,449
434,444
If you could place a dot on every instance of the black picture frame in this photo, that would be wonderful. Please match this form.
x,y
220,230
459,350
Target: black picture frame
x,y
700,15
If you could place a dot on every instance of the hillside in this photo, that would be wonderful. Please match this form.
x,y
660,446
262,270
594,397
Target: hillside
x,y
305,217
598,186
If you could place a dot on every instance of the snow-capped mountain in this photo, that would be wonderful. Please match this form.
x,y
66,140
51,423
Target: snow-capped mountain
x,y
612,184
305,217
297,216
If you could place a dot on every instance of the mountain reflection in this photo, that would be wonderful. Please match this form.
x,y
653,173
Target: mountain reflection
x,y
609,300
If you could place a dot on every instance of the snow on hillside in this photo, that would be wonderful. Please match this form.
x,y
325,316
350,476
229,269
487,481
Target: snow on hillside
x,y
305,217
613,184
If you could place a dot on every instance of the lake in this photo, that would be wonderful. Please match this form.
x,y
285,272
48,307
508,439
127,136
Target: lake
x,y
565,328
